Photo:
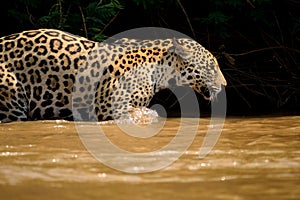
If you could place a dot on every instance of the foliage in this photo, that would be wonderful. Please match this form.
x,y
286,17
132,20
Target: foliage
x,y
98,15
224,12
150,5
87,17
256,41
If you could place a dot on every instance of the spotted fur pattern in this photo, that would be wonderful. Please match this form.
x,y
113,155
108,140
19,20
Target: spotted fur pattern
x,y
50,74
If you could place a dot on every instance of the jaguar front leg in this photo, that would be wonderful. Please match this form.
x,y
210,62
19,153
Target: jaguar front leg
x,y
138,111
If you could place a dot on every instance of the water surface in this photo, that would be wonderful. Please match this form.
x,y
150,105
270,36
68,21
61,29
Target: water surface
x,y
255,158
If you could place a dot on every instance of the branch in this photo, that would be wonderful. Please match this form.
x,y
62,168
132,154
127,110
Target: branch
x,y
83,21
60,15
31,18
187,18
110,22
250,3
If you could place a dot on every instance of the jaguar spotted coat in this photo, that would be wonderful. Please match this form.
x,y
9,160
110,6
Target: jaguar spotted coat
x,y
51,74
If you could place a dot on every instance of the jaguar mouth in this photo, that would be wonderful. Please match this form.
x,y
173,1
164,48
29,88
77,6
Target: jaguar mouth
x,y
209,93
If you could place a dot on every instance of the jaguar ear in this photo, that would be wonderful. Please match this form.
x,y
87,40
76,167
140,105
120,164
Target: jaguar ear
x,y
180,50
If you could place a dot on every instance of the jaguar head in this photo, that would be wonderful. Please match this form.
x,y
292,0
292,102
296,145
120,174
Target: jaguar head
x,y
198,68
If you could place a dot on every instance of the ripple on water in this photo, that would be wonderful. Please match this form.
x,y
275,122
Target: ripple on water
x,y
252,155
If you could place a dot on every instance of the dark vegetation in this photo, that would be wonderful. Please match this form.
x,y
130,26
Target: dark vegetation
x,y
255,41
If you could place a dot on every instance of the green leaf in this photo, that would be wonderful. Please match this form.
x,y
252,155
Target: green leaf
x,y
216,18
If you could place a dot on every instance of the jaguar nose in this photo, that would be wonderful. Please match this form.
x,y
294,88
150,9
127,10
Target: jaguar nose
x,y
221,78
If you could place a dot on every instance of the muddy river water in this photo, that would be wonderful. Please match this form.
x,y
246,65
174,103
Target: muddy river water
x,y
254,158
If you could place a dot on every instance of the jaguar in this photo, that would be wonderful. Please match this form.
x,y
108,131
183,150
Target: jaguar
x,y
52,74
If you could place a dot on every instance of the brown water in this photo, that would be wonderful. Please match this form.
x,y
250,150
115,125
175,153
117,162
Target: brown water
x,y
255,158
